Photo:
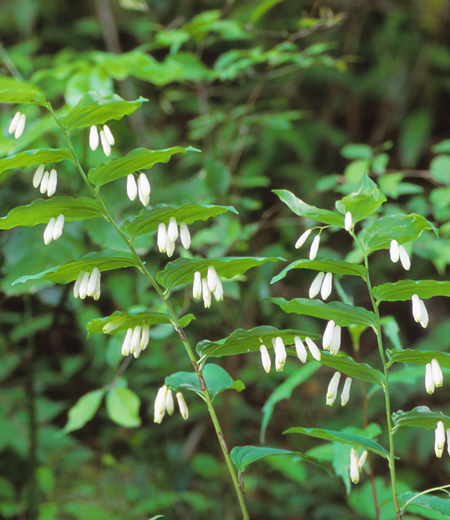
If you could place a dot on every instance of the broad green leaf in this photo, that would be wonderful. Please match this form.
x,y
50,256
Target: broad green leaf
x,y
181,271
305,210
216,378
326,266
122,406
442,505
95,110
243,456
351,368
403,228
440,169
284,391
244,341
41,211
30,157
341,313
138,159
357,151
343,438
68,272
83,410
418,357
120,321
364,202
421,417
150,218
404,289
13,91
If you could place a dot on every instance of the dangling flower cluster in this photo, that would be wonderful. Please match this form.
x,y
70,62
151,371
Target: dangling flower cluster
x,y
141,187
164,402
419,311
356,464
87,284
314,245
280,352
136,340
211,285
106,138
17,125
54,229
433,376
333,388
166,237
322,283
332,338
439,439
397,252
46,181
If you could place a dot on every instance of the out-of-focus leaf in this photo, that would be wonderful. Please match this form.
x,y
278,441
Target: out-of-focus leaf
x,y
326,266
418,357
30,157
83,410
404,289
441,505
13,91
414,135
122,406
421,417
357,151
440,168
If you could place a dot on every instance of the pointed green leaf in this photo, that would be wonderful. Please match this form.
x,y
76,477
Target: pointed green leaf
x,y
243,456
420,417
357,151
122,406
344,438
441,505
150,218
83,410
404,289
351,368
138,159
244,341
418,357
216,378
343,314
120,321
105,261
305,210
181,271
30,157
13,91
41,211
403,228
364,202
326,266
95,110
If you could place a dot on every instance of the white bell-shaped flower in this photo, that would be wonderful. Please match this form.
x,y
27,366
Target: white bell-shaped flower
x,y
404,258
300,349
93,138
84,285
429,382
170,246
160,404
182,405
143,189
185,236
439,441
206,294
145,336
328,335
38,174
58,227
105,144
354,470
345,396
197,286
212,278
436,372
336,341
48,233
108,135
127,342
170,405
313,348
20,126
172,229
265,358
44,182
76,287
327,286
132,189
314,247
162,238
332,389
14,122
52,182
280,353
394,251
218,291
316,285
348,221
303,238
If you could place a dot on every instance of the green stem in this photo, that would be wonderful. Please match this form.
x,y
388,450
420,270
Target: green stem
x,y
141,266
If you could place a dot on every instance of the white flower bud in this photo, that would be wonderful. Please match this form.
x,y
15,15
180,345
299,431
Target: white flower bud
x,y
316,285
185,236
160,404
336,342
303,238
362,459
170,247
76,287
93,138
429,383
105,144
20,126
280,353
84,285
14,123
315,352
424,320
394,251
197,287
113,325
354,471
172,229
183,406
345,396
332,389
314,247
416,308
93,280
436,372
44,182
404,258
145,337
300,349
58,227
348,221
328,335
48,233
108,135
162,238
265,358
52,183
218,292
326,286
126,342
37,177
143,189
212,278
135,343
170,405
448,440
131,187
439,442
206,294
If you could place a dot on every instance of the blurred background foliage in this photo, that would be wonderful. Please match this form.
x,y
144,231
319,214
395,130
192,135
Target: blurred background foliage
x,y
300,95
